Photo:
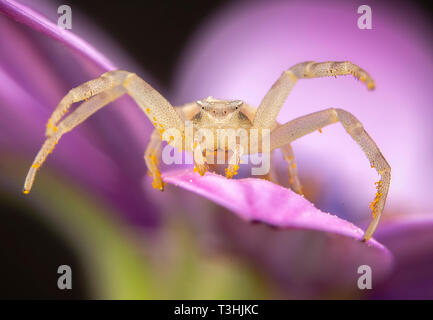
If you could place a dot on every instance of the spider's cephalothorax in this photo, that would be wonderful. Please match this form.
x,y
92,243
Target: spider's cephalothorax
x,y
221,113
217,114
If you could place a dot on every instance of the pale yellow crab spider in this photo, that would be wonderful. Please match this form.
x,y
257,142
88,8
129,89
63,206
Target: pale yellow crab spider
x,y
215,114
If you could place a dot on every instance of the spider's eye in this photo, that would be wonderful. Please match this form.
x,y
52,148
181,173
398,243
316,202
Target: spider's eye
x,y
202,108
237,108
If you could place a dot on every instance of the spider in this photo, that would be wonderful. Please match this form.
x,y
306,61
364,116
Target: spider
x,y
215,114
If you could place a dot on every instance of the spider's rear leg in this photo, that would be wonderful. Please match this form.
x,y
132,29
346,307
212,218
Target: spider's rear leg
x,y
199,154
292,169
152,157
272,174
312,122
106,81
71,121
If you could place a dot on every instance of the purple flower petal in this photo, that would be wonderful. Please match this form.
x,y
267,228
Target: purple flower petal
x,y
262,201
103,154
34,20
410,239
258,200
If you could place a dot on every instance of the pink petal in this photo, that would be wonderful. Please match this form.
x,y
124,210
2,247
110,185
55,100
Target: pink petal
x,y
259,200
294,260
34,20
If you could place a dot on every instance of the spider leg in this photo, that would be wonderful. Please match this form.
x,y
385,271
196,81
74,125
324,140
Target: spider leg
x,y
84,91
101,91
314,121
71,121
289,156
271,175
152,157
199,154
152,154
235,159
273,101
159,111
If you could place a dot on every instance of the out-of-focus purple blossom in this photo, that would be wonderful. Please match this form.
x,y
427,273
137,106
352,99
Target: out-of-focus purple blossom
x,y
39,64
243,49
410,238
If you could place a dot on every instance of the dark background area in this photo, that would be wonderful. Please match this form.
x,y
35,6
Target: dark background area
x,y
166,24
29,251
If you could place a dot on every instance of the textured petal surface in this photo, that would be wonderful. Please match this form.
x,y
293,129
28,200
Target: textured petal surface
x,y
262,201
258,200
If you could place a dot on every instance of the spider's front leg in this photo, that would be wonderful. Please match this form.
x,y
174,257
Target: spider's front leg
x,y
312,122
271,104
234,161
101,91
106,81
152,157
57,131
199,154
